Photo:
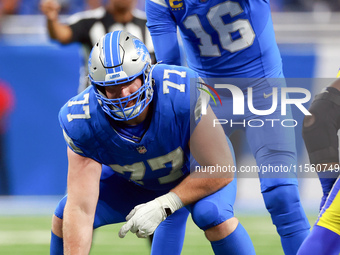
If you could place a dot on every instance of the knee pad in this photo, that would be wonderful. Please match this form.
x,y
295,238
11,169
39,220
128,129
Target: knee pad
x,y
320,130
59,211
207,214
283,203
276,167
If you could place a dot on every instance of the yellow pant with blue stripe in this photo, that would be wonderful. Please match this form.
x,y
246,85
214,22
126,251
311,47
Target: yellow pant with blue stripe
x,y
329,216
324,238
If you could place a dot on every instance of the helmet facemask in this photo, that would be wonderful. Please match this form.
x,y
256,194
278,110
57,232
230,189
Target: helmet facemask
x,y
119,58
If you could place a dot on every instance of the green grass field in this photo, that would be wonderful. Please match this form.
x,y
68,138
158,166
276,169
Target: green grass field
x,y
30,235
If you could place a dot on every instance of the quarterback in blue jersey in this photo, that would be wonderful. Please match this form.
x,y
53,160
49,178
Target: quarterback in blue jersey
x,y
129,157
233,42
320,133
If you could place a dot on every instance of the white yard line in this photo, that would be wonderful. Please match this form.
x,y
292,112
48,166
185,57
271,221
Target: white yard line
x,y
12,237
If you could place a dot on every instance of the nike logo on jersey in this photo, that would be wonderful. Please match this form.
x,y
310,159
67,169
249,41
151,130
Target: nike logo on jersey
x,y
267,95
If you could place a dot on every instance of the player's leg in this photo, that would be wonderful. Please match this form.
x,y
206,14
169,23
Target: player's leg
x,y
324,238
274,148
214,214
321,241
282,199
117,198
320,134
169,235
56,243
284,205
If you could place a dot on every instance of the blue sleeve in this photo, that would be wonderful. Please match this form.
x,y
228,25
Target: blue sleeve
x,y
76,131
197,99
163,30
71,142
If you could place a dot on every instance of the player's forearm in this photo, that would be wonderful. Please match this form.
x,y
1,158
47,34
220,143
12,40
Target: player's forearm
x,y
56,30
194,188
77,231
59,32
169,52
209,146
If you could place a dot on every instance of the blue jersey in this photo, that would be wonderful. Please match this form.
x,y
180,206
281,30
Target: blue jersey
x,y
220,38
161,159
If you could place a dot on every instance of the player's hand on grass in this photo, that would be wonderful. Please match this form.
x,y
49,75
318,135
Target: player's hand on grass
x,y
145,218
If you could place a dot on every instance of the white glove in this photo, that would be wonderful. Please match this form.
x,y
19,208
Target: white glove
x,y
145,218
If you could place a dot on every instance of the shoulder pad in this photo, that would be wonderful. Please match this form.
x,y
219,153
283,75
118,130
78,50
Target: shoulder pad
x,y
74,118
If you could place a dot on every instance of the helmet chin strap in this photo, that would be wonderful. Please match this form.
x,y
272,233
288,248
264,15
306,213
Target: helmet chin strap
x,y
101,93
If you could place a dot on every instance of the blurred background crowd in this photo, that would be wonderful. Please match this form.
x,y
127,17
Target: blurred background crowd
x,y
30,7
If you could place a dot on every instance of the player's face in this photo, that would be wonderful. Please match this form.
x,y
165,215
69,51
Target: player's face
x,y
123,90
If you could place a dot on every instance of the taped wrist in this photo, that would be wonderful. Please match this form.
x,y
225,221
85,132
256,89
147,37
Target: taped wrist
x,y
170,202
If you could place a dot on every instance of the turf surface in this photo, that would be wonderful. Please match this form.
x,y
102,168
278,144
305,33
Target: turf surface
x,y
31,235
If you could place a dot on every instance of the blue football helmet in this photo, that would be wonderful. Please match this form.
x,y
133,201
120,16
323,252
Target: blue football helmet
x,y
120,57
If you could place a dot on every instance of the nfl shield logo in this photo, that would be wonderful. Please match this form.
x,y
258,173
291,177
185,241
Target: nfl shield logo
x,y
141,149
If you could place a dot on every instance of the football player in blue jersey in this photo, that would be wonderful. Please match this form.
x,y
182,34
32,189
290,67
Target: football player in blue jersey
x,y
129,157
320,133
235,39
